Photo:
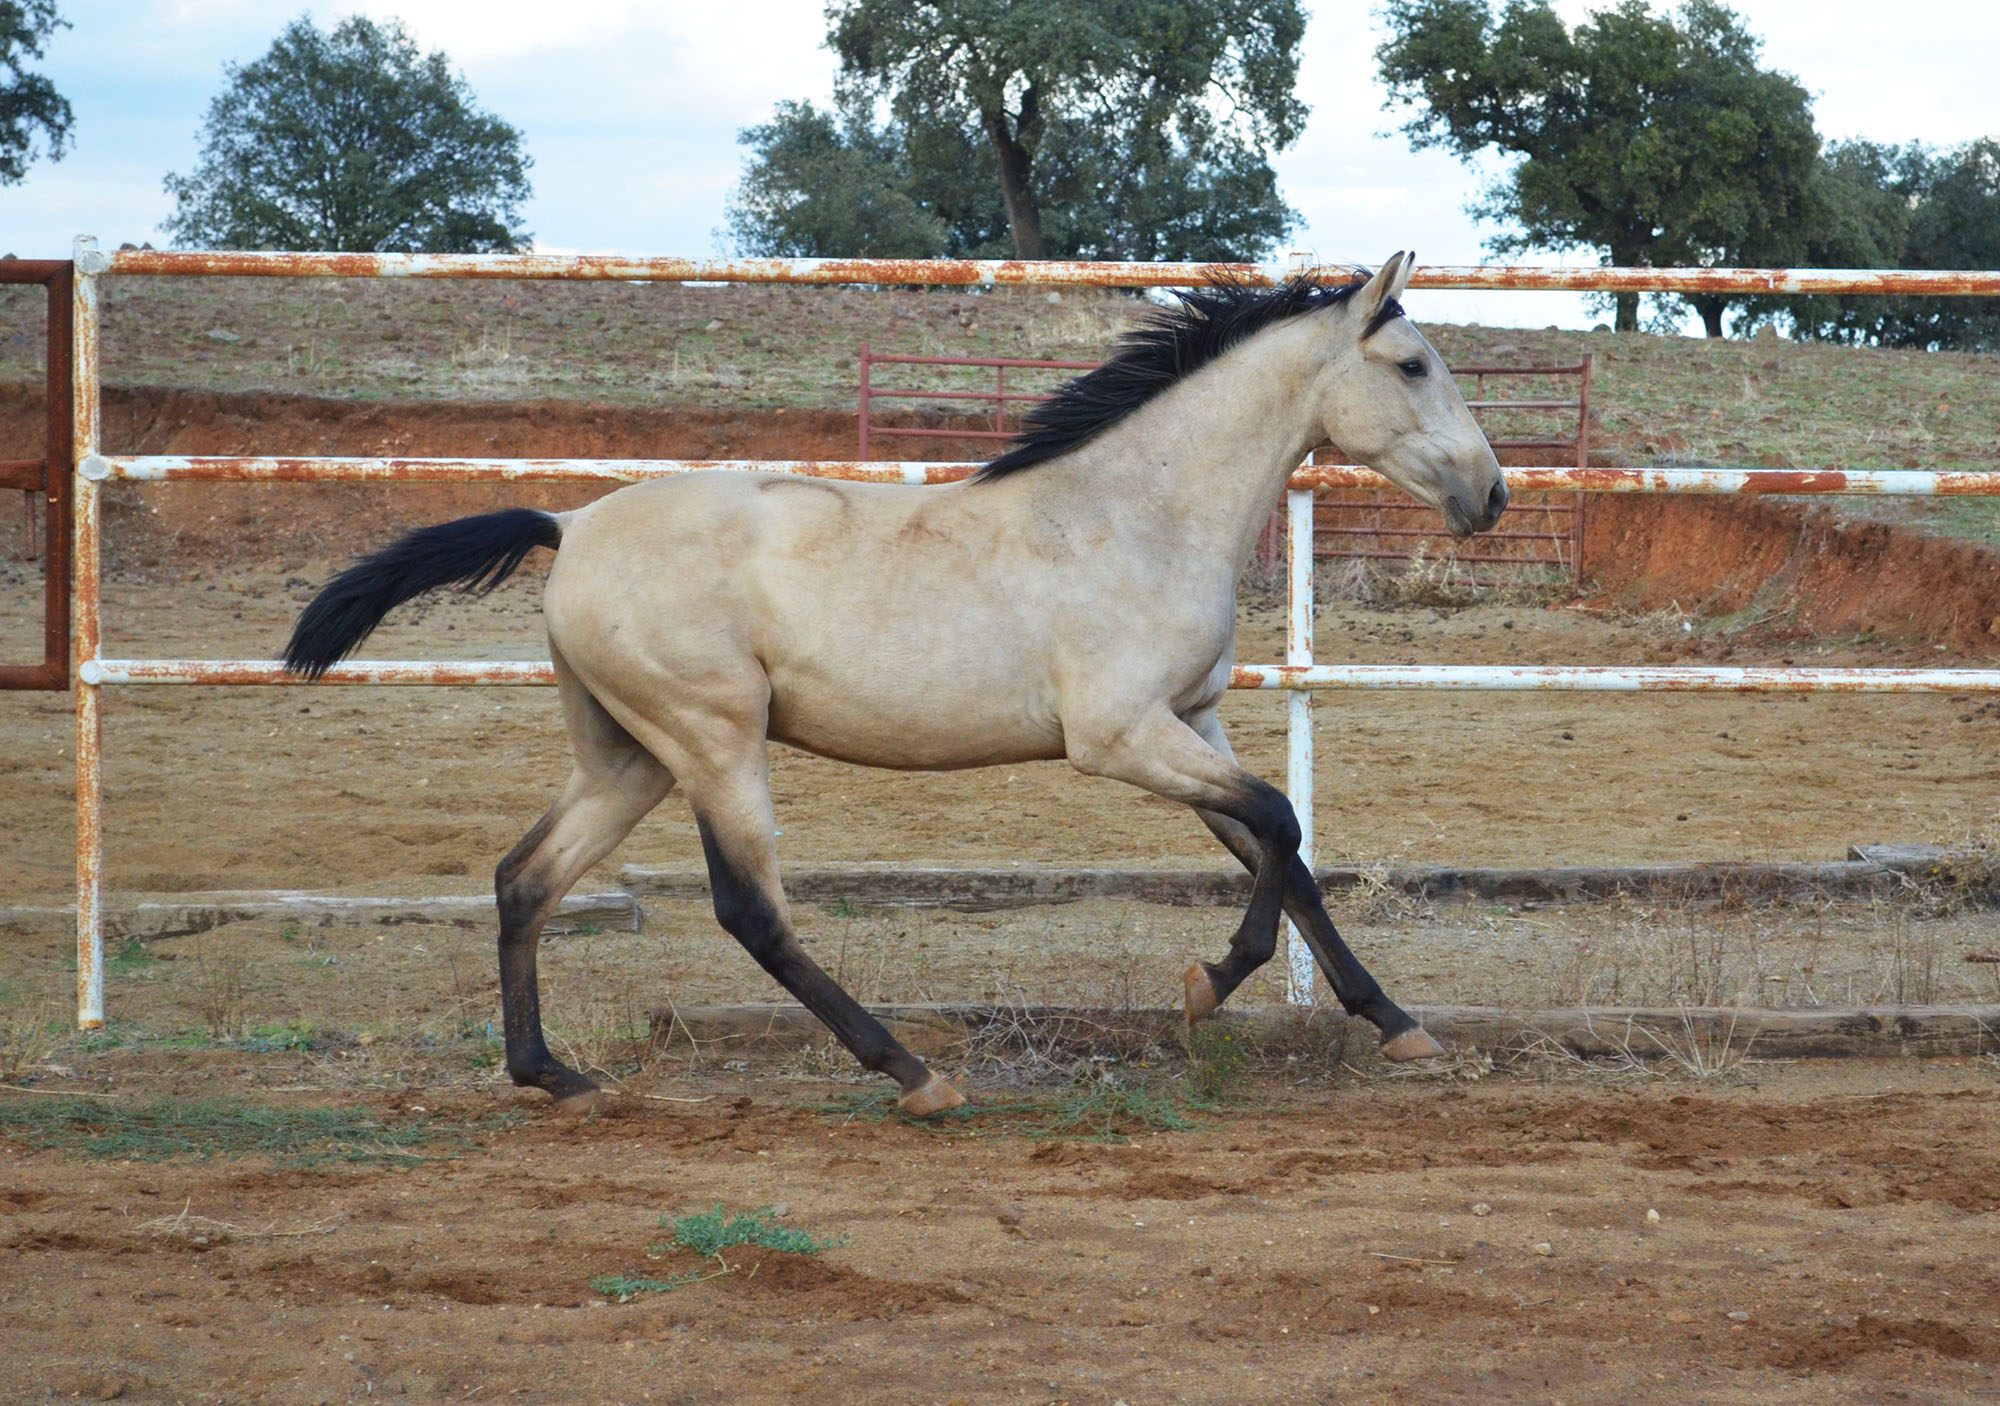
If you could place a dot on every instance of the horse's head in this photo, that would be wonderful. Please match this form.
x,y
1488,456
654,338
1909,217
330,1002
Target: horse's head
x,y
1389,402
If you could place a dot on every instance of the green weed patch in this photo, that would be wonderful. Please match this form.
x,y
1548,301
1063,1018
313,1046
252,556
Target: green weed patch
x,y
708,1234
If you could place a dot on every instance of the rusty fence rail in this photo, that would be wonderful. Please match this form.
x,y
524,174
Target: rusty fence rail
x,y
76,435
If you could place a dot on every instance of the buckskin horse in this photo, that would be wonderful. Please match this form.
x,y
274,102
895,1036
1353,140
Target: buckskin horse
x,y
1075,598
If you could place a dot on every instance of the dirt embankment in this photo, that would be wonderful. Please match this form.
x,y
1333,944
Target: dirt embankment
x,y
1798,565
1802,567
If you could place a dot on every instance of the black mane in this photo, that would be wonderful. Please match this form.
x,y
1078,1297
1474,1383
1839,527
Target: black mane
x,y
1173,344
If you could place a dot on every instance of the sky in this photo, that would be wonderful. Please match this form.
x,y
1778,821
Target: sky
x,y
631,110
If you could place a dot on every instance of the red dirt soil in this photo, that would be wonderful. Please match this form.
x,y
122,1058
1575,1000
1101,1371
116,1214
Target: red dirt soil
x,y
1823,1235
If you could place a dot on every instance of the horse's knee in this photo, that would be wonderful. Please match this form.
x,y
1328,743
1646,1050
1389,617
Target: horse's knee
x,y
1270,817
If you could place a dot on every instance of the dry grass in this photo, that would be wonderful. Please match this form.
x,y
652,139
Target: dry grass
x,y
1636,1052
593,1015
208,1230
32,1029
220,993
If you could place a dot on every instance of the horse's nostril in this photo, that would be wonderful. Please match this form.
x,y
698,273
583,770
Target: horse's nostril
x,y
1496,501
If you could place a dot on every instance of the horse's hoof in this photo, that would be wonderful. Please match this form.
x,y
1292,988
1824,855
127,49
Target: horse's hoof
x,y
1201,997
1414,1043
933,1096
581,1101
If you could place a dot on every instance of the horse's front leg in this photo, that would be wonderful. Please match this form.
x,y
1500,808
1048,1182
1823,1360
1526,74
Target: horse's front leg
x,y
1168,757
1209,985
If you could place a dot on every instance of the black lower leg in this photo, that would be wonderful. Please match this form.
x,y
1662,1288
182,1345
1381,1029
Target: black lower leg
x,y
521,902
748,915
1275,831
1358,992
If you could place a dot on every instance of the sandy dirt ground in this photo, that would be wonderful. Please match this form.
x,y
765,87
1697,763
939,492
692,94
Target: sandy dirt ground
x,y
1798,1234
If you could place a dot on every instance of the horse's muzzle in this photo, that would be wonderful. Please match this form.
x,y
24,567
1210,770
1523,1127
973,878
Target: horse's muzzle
x,y
1465,518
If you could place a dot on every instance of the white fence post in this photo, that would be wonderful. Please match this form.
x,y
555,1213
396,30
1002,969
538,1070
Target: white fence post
x,y
87,557
1299,779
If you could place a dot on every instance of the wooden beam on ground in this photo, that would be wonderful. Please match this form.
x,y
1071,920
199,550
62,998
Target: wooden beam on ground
x,y
1697,1036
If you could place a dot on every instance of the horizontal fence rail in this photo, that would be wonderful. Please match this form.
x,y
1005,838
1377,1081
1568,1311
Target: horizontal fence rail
x,y
1503,678
974,273
225,468
1299,677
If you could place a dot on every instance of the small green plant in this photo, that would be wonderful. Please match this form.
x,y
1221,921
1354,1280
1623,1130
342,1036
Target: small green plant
x,y
1215,1061
626,1287
270,1039
131,957
842,907
709,1233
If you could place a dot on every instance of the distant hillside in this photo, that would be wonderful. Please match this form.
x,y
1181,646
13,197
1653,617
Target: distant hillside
x,y
1661,399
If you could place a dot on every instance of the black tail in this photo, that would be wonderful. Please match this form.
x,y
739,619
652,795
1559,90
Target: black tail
x,y
476,553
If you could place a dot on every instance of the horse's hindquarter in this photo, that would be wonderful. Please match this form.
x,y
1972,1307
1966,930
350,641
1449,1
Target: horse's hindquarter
x,y
883,617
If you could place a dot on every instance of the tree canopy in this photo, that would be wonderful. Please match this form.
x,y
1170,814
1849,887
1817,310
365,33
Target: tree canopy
x,y
30,106
1915,207
1651,139
351,140
1038,128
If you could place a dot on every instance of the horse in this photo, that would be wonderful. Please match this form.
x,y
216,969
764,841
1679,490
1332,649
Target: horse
x,y
1074,598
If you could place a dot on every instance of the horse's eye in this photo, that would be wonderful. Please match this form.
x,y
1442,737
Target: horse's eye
x,y
1414,368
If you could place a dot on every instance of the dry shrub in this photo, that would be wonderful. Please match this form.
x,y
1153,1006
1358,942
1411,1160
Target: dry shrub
x,y
221,994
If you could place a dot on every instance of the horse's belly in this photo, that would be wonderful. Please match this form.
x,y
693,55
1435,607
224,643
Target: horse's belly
x,y
913,731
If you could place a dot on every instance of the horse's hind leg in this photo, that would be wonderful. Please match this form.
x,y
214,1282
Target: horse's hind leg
x,y
732,806
1210,984
615,783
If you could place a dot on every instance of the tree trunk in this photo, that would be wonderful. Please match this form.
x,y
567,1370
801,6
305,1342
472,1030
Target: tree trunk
x,y
1711,306
1627,318
1024,217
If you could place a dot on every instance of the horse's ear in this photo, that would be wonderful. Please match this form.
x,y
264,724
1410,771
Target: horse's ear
x,y
1385,285
1405,264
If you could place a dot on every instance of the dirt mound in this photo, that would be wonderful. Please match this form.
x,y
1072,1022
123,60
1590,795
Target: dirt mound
x,y
1800,567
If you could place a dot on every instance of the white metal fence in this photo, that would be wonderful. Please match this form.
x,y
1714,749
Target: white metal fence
x,y
1298,674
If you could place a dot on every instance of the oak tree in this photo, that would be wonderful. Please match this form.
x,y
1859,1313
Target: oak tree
x,y
351,140
1651,139
30,107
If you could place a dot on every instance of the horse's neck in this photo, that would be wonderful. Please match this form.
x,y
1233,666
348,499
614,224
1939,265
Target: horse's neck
x,y
1203,464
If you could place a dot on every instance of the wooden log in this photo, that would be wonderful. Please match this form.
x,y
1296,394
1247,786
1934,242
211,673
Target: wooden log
x,y
1708,1033
987,889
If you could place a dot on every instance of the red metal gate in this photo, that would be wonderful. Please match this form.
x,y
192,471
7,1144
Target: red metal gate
x,y
48,479
999,397
1343,514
